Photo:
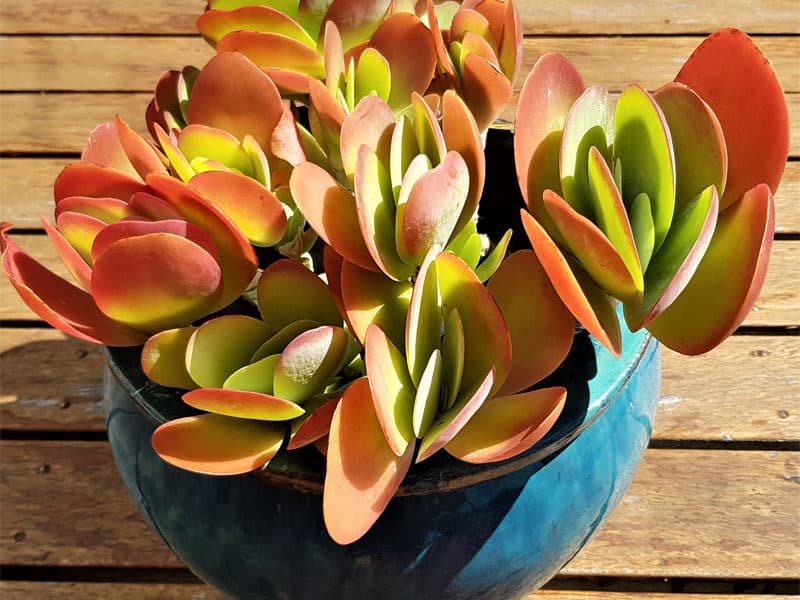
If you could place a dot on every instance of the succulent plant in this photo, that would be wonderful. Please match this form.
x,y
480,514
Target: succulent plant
x,y
395,328
651,202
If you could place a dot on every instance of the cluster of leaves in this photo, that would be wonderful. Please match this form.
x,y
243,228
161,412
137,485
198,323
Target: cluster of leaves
x,y
319,169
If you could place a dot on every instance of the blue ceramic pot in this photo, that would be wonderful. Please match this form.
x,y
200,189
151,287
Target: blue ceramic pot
x,y
454,531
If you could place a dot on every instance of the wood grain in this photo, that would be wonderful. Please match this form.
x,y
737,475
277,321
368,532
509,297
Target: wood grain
x,y
742,391
26,192
62,393
130,64
61,123
664,527
777,306
70,590
704,514
573,17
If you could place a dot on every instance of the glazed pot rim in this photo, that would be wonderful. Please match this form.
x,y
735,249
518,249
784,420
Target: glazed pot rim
x,y
441,472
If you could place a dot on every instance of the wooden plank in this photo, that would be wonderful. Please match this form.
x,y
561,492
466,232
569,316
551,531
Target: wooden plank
x,y
26,191
62,122
563,17
778,305
71,590
742,391
111,63
702,514
664,528
59,123
64,390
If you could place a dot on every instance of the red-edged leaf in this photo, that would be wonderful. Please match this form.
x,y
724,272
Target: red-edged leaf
x,y
533,312
331,211
357,491
217,445
589,304
84,179
392,389
731,74
727,281
505,426
61,304
243,405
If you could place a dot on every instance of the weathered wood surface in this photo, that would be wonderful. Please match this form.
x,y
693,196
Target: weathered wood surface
x,y
778,305
725,396
130,64
654,533
26,188
575,17
68,590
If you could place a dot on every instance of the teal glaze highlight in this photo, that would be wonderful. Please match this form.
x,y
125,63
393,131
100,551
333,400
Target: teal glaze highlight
x,y
455,530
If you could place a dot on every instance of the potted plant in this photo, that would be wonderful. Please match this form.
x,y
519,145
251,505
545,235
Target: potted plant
x,y
345,336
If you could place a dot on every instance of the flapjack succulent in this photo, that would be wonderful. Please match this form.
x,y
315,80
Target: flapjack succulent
x,y
395,328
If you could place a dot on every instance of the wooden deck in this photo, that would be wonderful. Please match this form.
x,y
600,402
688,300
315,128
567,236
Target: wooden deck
x,y
714,511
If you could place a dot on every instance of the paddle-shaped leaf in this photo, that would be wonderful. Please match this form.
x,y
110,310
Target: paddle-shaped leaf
x,y
589,124
642,144
164,358
731,74
453,350
588,303
313,426
424,319
256,377
217,445
448,424
701,157
243,404
727,281
505,426
611,217
376,214
84,179
221,346
331,211
309,362
357,491
370,297
486,90
226,84
289,292
156,281
58,302
410,71
591,247
370,124
434,206
392,389
461,135
428,396
540,325
675,262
